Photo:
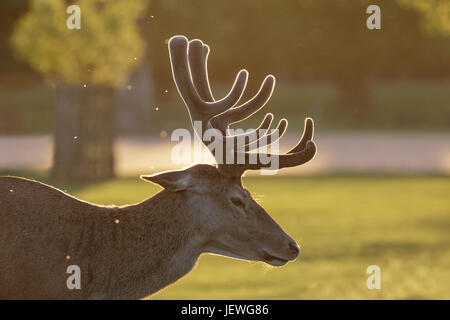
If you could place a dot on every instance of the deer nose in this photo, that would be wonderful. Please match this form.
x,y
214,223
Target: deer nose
x,y
294,248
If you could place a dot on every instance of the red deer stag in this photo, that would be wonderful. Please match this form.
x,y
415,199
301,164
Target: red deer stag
x,y
133,251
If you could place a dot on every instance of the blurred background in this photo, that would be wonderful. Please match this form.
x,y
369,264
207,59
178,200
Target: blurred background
x,y
89,110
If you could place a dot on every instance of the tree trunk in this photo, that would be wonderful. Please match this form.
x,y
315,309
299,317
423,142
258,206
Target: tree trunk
x,y
84,133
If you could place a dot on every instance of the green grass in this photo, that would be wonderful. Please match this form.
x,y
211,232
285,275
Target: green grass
x,y
399,105
343,223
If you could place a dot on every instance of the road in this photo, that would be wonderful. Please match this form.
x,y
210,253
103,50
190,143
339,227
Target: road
x,y
338,152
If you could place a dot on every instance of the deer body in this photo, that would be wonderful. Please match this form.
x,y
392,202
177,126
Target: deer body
x,y
151,246
131,252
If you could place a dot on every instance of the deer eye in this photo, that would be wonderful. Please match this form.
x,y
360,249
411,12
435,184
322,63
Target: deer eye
x,y
237,202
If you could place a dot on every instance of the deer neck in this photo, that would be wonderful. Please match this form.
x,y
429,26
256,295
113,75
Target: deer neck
x,y
158,242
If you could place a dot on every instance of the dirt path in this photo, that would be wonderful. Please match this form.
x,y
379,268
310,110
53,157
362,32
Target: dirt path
x,y
338,152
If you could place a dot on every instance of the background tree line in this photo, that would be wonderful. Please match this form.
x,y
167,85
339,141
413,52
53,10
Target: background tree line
x,y
123,42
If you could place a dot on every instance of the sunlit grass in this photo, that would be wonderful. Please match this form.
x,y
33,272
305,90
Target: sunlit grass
x,y
343,224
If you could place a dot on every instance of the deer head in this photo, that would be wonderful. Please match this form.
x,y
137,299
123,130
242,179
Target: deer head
x,y
234,224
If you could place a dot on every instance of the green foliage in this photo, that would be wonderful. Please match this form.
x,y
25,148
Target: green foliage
x,y
103,52
343,224
301,39
436,14
295,39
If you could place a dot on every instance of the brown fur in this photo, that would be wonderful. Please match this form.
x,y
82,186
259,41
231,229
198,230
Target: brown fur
x,y
155,242
41,225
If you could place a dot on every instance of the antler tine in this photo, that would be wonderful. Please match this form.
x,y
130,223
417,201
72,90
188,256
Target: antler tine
x,y
198,57
308,134
298,158
280,130
250,107
198,108
286,160
254,135
181,75
235,94
303,152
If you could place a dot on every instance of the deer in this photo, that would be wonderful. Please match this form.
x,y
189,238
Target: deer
x,y
133,251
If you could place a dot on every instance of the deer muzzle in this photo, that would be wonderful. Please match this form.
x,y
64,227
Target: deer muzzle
x,y
289,252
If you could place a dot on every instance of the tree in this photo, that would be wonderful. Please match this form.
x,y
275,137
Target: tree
x,y
436,14
306,40
86,66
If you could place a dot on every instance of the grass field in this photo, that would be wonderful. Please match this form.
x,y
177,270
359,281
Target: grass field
x,y
343,223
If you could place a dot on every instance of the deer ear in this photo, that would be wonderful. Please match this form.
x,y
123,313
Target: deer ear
x,y
171,180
